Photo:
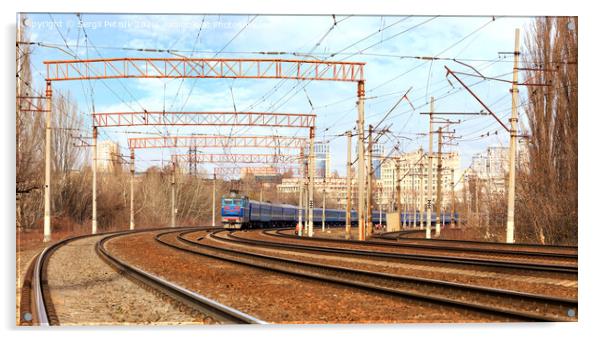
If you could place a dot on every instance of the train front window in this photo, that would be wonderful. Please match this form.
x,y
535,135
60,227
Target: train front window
x,y
237,202
227,201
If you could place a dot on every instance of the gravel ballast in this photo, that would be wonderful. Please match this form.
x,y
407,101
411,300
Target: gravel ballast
x,y
87,291
277,297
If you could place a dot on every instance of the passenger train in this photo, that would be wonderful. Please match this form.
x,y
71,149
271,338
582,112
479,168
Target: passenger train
x,y
239,212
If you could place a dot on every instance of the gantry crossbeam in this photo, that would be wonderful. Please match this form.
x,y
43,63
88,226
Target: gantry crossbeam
x,y
217,141
125,119
115,68
236,158
236,171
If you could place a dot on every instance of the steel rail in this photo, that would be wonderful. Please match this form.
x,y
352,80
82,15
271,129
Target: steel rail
x,y
509,245
421,257
399,292
195,300
508,252
41,302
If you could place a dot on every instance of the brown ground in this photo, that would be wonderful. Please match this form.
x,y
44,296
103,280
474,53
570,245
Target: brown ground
x,y
276,297
546,284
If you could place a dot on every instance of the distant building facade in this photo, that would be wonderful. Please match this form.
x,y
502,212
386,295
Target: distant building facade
x,y
109,157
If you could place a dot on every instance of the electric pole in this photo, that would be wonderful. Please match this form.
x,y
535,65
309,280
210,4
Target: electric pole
x,y
214,192
312,167
421,206
369,203
512,148
398,186
348,211
439,169
429,200
94,169
324,204
301,186
361,178
305,196
453,199
173,195
47,169
413,198
132,170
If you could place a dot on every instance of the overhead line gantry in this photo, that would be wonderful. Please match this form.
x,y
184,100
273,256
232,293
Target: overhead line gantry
x,y
208,68
130,119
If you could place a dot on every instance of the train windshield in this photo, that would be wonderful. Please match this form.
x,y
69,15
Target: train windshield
x,y
236,202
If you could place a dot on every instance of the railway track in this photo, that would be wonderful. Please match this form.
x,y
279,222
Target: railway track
x,y
199,302
37,306
494,262
402,238
458,246
511,305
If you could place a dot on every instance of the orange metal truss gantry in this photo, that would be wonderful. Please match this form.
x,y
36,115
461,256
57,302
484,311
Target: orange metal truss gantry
x,y
236,158
260,119
114,68
212,141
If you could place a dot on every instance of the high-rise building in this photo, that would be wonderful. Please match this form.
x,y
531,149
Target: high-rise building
x,y
378,151
412,167
109,157
336,189
491,166
322,154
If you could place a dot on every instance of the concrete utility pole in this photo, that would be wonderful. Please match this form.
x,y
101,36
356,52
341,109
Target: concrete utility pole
x,y
132,170
173,195
47,226
324,204
312,168
361,177
370,169
453,199
405,208
413,198
439,170
465,198
429,200
476,198
397,180
348,212
380,208
94,169
421,206
213,196
301,186
512,148
306,196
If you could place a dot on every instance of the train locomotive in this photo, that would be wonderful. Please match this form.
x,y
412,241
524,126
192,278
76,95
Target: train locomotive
x,y
239,212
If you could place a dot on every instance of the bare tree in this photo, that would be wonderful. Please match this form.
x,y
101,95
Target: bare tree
x,y
547,191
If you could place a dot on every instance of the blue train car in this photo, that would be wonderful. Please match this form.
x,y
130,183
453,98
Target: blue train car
x,y
239,212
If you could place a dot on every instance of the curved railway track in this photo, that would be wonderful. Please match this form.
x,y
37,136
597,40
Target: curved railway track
x,y
199,302
402,237
37,307
509,258
508,250
512,305
36,304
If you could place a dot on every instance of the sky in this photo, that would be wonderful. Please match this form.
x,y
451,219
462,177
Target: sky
x,y
388,45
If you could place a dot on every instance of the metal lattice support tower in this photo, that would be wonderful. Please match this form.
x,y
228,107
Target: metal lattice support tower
x,y
114,68
219,141
126,119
